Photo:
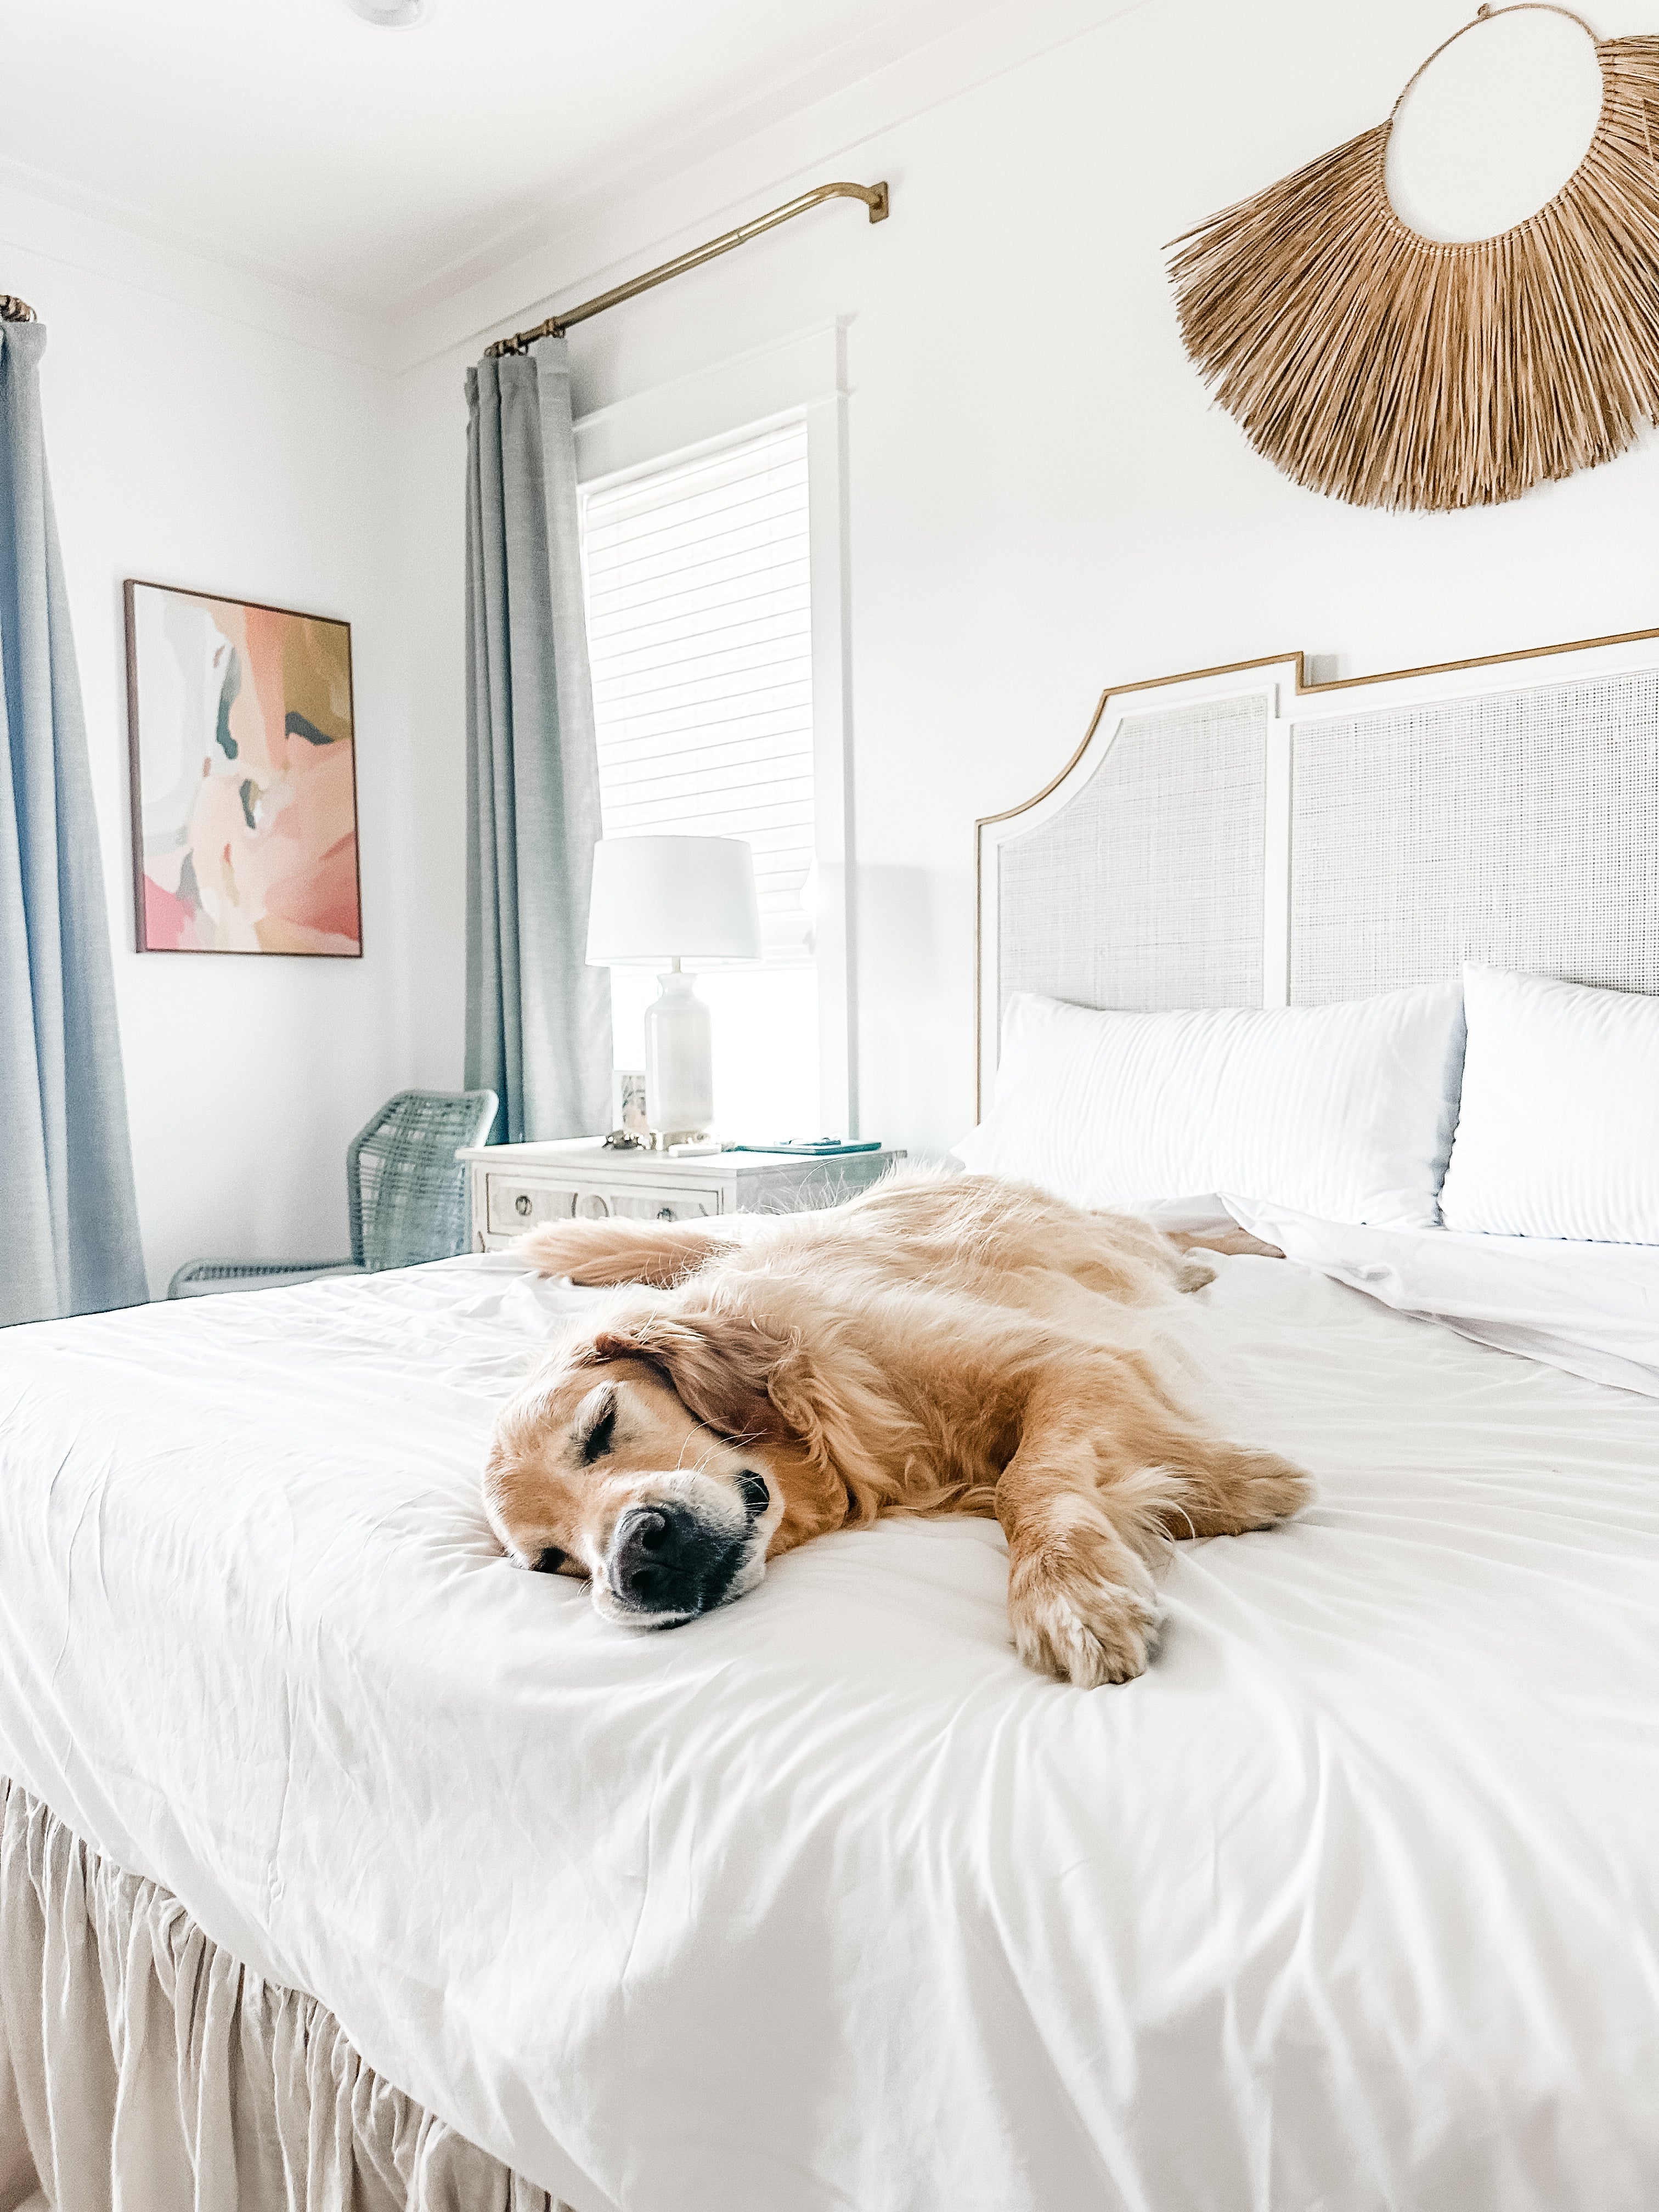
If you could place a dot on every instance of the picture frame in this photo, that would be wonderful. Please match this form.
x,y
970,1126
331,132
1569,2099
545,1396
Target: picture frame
x,y
241,731
628,1101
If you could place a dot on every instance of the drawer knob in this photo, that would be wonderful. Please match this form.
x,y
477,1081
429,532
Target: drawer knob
x,y
521,1203
665,1213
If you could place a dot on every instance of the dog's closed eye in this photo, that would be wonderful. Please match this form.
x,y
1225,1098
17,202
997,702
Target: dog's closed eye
x,y
596,1423
551,1561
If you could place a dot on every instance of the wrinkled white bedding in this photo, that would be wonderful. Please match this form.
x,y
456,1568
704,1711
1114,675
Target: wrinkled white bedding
x,y
1592,1309
825,1902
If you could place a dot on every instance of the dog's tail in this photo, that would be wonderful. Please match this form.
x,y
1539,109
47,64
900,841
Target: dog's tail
x,y
602,1253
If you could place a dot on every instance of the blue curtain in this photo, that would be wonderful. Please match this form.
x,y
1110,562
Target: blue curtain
x,y
68,1221
537,1017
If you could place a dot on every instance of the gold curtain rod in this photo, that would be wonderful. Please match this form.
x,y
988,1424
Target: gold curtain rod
x,y
873,196
13,310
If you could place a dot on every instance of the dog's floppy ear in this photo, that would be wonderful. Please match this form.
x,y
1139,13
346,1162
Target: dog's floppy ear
x,y
718,1363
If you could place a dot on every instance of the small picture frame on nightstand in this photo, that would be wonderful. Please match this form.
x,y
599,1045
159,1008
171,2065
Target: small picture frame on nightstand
x,y
628,1101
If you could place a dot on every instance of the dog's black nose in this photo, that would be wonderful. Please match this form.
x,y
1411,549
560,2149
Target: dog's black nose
x,y
648,1556
666,1561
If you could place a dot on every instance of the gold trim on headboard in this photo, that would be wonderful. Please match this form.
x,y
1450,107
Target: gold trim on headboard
x,y
1303,690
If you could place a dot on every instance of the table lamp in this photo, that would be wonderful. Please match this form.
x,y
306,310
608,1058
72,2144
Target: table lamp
x,y
674,899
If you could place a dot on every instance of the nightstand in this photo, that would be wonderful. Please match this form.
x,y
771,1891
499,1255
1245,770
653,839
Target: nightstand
x,y
517,1187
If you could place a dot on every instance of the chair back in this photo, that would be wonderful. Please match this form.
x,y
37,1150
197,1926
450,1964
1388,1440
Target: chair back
x,y
407,1192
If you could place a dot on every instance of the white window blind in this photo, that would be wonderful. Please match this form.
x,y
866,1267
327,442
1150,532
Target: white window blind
x,y
699,617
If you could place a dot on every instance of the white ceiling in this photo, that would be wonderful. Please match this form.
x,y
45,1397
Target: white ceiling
x,y
368,165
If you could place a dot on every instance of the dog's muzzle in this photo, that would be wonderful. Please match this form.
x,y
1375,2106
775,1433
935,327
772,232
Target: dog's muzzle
x,y
667,1565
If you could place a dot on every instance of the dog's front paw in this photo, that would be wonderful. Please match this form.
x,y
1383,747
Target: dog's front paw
x,y
1236,1490
1085,1632
1268,1489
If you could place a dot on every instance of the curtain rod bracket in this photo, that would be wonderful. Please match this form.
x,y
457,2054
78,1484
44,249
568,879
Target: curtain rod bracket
x,y
875,197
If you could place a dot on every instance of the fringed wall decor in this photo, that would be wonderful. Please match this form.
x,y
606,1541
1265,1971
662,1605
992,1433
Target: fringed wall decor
x,y
1395,370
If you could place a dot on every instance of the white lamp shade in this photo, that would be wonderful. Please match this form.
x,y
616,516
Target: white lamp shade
x,y
672,898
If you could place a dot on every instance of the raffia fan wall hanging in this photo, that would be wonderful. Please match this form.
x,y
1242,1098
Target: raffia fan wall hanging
x,y
1395,370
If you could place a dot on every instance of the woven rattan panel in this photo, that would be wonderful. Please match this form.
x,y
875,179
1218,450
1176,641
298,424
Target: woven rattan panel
x,y
1147,890
1521,828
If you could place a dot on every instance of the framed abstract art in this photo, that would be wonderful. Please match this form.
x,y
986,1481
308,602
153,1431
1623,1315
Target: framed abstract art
x,y
244,776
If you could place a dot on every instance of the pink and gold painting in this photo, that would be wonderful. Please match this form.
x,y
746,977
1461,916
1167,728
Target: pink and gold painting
x,y
244,776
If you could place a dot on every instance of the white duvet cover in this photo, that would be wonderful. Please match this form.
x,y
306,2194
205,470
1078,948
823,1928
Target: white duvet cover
x,y
1592,1309
824,1902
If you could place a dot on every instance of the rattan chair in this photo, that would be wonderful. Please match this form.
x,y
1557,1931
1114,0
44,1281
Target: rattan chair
x,y
407,1193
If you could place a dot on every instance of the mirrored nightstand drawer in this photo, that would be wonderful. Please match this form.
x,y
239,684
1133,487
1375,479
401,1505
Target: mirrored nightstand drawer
x,y
662,1205
519,1187
516,1205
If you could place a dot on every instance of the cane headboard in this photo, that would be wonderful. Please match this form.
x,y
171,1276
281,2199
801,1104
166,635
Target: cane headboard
x,y
1243,837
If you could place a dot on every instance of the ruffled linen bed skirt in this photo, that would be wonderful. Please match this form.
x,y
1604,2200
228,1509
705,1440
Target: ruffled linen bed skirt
x,y
145,2069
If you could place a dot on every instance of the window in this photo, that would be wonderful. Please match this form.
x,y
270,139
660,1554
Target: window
x,y
699,631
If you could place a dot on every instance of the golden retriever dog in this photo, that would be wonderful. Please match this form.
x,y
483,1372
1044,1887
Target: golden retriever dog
x,y
937,1345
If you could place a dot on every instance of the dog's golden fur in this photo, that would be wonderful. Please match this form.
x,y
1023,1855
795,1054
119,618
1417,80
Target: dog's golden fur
x,y
937,1345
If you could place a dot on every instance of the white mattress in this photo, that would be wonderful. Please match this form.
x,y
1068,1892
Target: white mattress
x,y
824,1901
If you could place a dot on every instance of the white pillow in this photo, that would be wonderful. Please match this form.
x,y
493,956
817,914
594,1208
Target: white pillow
x,y
1559,1131
1591,1308
1342,1111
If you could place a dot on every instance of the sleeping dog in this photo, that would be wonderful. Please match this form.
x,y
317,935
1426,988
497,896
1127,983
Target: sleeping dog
x,y
937,1345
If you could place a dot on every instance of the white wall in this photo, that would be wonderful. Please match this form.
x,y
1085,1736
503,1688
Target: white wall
x,y
1041,497
430,509
214,448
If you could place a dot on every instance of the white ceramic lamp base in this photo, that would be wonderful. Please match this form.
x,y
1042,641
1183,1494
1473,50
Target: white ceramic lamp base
x,y
680,1061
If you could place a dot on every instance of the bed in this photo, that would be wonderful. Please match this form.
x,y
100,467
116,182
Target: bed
x,y
332,1848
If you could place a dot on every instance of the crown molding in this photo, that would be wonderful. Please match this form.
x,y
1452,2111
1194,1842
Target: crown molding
x,y
42,224
646,218
640,215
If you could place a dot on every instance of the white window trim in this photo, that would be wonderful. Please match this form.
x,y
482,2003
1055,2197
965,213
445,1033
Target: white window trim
x,y
800,378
